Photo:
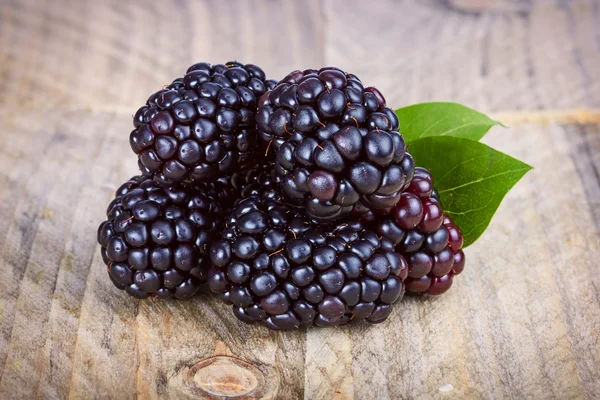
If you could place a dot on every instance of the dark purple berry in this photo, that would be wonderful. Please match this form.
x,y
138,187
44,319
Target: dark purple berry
x,y
156,241
437,240
284,271
440,284
332,307
334,79
377,94
455,237
443,262
326,121
419,264
162,123
421,187
459,262
431,244
275,303
418,285
365,177
432,216
409,211
201,127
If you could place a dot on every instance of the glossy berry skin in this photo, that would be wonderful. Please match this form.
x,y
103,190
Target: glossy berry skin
x,y
408,212
202,126
257,181
155,241
429,240
336,146
279,270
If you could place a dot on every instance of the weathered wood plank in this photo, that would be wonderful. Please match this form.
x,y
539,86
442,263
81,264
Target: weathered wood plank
x,y
46,301
328,370
72,284
181,343
513,324
22,187
112,54
494,55
522,321
585,145
575,247
89,338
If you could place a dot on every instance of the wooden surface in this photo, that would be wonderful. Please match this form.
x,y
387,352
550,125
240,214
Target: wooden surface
x,y
522,321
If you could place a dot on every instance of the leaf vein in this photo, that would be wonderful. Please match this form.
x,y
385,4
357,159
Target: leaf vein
x,y
483,179
432,126
462,126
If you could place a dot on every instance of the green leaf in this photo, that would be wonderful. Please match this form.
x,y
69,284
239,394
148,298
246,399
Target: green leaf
x,y
443,119
471,178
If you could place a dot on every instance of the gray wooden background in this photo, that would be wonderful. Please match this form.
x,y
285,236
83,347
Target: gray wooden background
x,y
522,321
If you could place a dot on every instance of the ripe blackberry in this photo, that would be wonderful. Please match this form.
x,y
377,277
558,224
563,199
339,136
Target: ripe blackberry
x,y
258,181
201,126
222,190
277,269
428,239
335,144
156,240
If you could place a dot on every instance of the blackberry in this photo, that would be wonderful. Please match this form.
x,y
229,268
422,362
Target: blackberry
x,y
429,240
201,126
257,181
222,190
335,144
156,240
279,270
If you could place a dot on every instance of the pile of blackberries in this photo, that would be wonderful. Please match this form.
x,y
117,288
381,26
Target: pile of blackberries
x,y
296,201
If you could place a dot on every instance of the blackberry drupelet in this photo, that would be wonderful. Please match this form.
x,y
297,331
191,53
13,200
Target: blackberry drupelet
x,y
155,241
222,191
201,126
281,271
428,239
257,181
336,146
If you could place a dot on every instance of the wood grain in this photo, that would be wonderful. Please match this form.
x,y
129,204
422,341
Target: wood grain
x,y
523,320
491,54
114,54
